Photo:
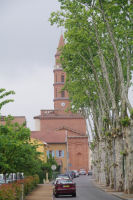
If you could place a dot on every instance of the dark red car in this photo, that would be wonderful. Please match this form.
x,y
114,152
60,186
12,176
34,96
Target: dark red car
x,y
64,187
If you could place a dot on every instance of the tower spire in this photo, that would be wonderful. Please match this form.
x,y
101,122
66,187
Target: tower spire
x,y
58,52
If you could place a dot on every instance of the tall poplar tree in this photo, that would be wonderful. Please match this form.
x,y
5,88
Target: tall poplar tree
x,y
98,61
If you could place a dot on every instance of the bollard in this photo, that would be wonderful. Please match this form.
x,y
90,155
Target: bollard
x,y
47,181
22,196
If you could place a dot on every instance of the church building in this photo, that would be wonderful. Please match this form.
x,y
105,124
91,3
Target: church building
x,y
64,132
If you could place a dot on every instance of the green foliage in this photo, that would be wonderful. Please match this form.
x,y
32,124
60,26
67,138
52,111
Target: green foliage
x,y
92,146
13,191
125,121
16,152
86,34
47,166
131,114
98,61
124,153
107,134
103,129
3,95
106,120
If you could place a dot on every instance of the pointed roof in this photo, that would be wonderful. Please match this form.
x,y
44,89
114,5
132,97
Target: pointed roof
x,y
61,41
61,44
70,129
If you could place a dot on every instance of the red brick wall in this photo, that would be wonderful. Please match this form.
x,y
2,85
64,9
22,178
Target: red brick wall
x,y
57,105
57,75
47,125
58,85
78,153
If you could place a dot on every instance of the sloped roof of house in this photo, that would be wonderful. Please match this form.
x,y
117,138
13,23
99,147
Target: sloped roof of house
x,y
40,140
49,137
18,119
70,129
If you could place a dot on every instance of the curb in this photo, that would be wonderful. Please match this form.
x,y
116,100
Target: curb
x,y
119,197
112,193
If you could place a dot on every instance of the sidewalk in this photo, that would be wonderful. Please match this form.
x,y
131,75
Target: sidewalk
x,y
42,192
121,195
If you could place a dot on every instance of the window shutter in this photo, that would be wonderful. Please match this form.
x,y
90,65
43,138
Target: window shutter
x,y
48,154
52,153
63,153
57,153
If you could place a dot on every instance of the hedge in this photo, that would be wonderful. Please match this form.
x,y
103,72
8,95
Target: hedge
x,y
13,191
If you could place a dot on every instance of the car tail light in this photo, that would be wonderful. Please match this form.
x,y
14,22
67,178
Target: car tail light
x,y
73,185
58,186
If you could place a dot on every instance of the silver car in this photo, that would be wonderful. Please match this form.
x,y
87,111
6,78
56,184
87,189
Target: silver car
x,y
82,172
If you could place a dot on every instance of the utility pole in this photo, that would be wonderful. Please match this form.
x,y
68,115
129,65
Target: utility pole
x,y
67,156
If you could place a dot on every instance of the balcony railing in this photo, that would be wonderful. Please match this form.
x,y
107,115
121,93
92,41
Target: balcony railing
x,y
45,112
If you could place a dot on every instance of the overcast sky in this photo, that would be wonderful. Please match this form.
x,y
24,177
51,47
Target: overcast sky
x,y
27,47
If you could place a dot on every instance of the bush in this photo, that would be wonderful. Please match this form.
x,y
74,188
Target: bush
x,y
13,191
10,191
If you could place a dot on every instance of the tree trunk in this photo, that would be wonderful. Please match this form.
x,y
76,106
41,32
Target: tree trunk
x,y
119,163
129,160
102,176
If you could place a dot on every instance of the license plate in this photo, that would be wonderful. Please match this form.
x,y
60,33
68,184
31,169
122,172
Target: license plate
x,y
66,186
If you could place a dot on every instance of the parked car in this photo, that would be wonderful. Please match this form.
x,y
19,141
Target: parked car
x,y
2,182
89,173
63,176
11,177
59,178
76,173
82,172
71,174
64,187
5,182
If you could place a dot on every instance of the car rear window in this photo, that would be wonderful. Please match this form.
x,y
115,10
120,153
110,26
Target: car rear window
x,y
64,181
63,177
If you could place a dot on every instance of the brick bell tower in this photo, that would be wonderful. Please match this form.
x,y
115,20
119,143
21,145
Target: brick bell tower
x,y
61,98
63,131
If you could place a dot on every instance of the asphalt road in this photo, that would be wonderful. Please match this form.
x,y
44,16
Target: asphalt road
x,y
86,190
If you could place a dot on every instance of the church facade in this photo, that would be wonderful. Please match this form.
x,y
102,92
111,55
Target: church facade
x,y
64,132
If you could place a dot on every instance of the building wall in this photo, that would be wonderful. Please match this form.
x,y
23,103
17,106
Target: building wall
x,y
78,125
52,121
57,147
42,148
78,153
58,105
37,124
57,75
19,119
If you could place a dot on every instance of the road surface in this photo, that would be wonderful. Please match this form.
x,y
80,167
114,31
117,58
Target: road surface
x,y
86,190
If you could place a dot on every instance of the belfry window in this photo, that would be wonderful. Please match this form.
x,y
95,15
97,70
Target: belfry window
x,y
62,78
62,93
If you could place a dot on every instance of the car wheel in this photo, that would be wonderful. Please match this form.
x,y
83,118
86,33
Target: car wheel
x,y
74,195
56,195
